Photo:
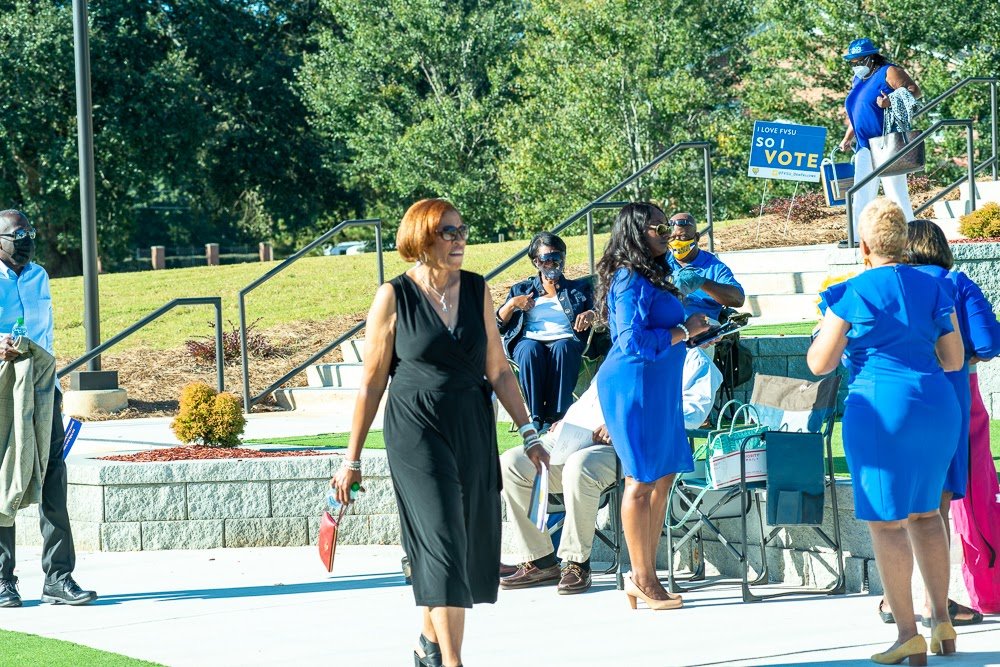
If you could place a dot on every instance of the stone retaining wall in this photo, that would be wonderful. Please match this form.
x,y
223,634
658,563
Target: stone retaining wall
x,y
204,504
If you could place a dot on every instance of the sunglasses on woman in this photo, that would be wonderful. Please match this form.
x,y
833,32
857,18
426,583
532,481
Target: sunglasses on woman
x,y
452,233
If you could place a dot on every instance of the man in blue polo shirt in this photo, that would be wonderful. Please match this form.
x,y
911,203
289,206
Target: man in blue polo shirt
x,y
706,282
24,293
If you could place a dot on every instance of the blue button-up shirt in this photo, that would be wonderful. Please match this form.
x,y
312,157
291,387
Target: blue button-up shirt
x,y
27,295
712,268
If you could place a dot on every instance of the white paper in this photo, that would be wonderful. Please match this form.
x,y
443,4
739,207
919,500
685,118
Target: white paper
x,y
571,438
538,506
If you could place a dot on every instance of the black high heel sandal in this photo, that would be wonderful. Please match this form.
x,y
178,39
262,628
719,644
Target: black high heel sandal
x,y
432,654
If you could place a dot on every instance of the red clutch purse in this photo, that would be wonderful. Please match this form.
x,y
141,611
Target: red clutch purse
x,y
328,537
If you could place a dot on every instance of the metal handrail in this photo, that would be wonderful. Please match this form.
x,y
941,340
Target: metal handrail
x,y
603,203
877,172
248,400
170,305
994,138
936,198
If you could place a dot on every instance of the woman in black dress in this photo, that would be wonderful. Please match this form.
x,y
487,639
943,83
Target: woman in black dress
x,y
432,330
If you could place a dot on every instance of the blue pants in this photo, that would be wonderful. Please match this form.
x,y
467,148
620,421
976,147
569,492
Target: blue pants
x,y
548,373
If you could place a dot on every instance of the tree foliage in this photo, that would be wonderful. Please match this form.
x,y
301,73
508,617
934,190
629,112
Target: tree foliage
x,y
244,120
408,93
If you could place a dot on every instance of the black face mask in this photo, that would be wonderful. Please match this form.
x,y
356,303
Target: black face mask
x,y
24,251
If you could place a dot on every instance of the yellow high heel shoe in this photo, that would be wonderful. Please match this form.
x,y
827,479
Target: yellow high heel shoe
x,y
914,648
632,592
943,639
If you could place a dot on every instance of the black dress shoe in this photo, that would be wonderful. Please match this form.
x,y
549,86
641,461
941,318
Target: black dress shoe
x,y
67,592
9,597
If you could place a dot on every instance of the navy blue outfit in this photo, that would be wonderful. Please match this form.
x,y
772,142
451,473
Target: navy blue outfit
x,y
901,415
712,268
981,337
641,380
863,111
547,370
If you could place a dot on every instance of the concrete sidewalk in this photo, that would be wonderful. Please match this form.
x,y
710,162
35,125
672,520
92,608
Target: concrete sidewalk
x,y
278,606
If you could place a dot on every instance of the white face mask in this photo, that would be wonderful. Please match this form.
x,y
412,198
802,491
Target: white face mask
x,y
860,71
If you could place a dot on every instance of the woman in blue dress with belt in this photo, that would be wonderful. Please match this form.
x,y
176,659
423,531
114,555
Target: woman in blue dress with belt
x,y
901,418
639,384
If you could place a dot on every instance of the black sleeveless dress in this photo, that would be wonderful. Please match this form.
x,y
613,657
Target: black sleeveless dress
x,y
440,438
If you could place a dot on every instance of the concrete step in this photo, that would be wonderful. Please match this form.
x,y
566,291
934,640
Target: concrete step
x,y
795,259
985,191
952,210
792,282
353,350
323,399
347,376
774,308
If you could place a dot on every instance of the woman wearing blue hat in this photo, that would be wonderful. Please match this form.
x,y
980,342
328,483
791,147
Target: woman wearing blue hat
x,y
875,79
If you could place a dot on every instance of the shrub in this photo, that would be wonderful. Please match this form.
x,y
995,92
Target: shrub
x,y
257,345
983,223
209,418
806,207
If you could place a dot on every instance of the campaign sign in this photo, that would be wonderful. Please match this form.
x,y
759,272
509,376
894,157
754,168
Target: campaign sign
x,y
786,152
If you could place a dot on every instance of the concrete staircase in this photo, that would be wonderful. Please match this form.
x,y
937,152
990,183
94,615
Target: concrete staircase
x,y
947,213
331,387
781,284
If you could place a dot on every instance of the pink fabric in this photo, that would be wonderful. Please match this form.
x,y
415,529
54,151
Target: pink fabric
x,y
977,516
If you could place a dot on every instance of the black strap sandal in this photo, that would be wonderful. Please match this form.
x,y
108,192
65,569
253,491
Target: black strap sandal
x,y
886,616
954,609
432,654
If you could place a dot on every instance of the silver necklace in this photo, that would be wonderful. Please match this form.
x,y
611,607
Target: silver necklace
x,y
445,307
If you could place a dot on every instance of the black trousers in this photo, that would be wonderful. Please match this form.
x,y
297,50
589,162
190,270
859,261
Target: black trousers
x,y
58,554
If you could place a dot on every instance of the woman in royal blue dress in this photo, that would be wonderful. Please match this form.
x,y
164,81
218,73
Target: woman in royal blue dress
x,y
640,382
898,328
927,251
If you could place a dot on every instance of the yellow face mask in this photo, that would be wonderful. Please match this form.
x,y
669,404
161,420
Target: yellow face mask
x,y
679,247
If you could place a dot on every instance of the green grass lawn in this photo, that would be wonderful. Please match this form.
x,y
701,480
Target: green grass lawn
x,y
506,440
22,649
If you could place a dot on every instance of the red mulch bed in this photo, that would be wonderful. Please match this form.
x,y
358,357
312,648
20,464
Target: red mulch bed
x,y
993,239
198,453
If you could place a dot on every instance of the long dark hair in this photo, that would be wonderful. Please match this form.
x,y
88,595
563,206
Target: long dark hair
x,y
627,249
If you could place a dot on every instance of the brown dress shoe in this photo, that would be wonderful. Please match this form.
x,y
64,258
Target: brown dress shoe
x,y
574,579
507,570
528,575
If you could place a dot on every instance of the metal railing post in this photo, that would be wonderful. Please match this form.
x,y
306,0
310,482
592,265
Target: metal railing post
x,y
993,124
708,198
244,362
590,239
378,252
220,359
972,164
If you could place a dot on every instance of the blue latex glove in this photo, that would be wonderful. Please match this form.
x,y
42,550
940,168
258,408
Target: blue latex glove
x,y
688,280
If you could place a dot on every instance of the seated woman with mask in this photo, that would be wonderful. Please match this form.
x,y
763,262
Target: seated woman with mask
x,y
545,322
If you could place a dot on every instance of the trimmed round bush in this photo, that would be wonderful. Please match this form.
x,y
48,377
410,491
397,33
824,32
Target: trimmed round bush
x,y
208,418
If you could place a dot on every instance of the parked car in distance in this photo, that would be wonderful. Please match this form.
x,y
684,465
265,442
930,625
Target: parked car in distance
x,y
346,248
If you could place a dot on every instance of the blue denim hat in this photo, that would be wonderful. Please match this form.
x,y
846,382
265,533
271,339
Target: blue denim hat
x,y
860,48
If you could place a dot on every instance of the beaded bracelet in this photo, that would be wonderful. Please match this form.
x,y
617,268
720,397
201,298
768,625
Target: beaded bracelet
x,y
351,465
687,334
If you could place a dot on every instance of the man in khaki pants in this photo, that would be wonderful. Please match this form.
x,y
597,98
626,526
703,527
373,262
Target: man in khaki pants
x,y
581,479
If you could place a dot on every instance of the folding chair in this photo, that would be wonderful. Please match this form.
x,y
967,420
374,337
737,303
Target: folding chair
x,y
613,537
799,415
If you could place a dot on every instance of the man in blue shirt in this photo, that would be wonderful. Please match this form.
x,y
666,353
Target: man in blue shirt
x,y
24,292
702,278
